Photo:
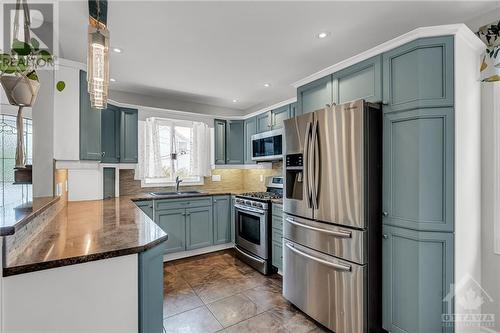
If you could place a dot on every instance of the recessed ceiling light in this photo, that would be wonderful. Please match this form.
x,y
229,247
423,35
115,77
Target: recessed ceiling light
x,y
235,100
117,50
267,85
323,34
112,80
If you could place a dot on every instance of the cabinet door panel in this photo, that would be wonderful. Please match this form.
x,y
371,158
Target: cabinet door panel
x,y
110,134
315,95
129,135
277,255
220,141
234,142
250,129
359,81
419,74
199,227
417,277
418,169
222,219
263,122
147,207
173,223
90,125
280,114
108,182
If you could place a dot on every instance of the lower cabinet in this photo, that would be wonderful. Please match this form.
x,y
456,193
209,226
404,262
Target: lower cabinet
x,y
277,255
222,219
199,227
172,221
151,289
417,274
233,220
147,207
277,236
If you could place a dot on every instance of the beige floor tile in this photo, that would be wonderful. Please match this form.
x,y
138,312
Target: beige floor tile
x,y
233,309
264,322
266,297
180,301
199,320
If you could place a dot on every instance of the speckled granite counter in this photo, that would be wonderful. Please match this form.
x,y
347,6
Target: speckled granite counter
x,y
87,231
16,215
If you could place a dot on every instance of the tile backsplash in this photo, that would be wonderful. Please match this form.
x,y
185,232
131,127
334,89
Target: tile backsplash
x,y
232,180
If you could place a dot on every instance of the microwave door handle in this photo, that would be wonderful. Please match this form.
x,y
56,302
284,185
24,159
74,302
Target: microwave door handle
x,y
315,161
306,164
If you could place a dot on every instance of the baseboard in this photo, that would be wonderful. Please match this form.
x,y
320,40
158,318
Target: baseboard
x,y
186,254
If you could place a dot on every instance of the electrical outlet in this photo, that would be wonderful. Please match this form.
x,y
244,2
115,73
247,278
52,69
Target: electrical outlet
x,y
216,178
261,178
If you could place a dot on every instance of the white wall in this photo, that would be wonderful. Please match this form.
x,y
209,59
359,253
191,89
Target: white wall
x,y
490,159
99,296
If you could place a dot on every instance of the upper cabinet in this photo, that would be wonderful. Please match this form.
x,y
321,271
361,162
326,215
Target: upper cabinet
x,y
280,114
360,81
263,122
315,95
129,121
110,134
90,125
229,145
250,129
234,142
419,74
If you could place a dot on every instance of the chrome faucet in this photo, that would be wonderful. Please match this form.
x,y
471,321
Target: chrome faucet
x,y
177,182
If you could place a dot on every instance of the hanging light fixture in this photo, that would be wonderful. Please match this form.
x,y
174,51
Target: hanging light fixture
x,y
98,54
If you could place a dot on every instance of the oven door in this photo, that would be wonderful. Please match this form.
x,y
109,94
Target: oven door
x,y
251,230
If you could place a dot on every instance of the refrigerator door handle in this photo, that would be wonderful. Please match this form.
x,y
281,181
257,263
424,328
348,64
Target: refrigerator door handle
x,y
338,234
316,164
338,267
307,183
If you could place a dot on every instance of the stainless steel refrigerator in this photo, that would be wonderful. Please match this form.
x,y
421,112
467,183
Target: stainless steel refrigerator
x,y
332,216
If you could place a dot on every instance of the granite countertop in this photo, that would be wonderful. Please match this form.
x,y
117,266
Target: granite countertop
x,y
86,231
16,215
149,196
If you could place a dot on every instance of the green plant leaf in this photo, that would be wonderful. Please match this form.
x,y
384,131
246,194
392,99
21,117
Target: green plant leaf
x,y
21,48
60,86
45,55
33,76
22,64
4,62
35,43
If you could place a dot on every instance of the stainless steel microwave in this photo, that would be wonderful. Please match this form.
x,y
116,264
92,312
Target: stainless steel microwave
x,y
267,146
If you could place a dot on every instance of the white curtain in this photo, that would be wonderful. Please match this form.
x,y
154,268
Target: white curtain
x,y
149,158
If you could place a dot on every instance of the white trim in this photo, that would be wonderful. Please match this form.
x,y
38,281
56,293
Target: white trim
x,y
171,183
266,165
494,104
440,30
488,330
269,108
186,254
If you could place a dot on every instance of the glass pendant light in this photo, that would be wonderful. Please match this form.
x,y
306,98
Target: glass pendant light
x,y
98,61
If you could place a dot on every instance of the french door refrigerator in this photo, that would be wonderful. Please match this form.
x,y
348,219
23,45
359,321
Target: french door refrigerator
x,y
332,216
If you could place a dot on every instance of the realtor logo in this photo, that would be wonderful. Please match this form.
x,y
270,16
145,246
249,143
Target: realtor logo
x,y
467,297
43,25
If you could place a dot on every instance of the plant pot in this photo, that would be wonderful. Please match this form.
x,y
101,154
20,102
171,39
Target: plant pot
x,y
20,90
23,175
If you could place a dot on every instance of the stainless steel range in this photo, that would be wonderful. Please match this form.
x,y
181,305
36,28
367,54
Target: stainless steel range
x,y
253,225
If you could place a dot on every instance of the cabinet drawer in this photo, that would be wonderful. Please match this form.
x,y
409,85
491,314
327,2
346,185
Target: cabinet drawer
x,y
277,235
277,222
277,210
182,203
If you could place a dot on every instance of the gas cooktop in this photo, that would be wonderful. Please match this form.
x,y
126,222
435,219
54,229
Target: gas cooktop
x,y
261,195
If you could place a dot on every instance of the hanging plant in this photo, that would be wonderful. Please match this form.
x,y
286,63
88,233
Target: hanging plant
x,y
490,64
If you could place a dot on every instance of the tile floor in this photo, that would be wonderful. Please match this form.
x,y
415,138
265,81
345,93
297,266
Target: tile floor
x,y
217,292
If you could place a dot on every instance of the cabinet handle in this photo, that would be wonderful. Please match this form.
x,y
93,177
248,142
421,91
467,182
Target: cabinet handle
x,y
188,214
385,214
385,103
215,200
103,154
385,236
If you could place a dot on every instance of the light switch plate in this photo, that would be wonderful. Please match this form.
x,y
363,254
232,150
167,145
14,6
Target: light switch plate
x,y
216,178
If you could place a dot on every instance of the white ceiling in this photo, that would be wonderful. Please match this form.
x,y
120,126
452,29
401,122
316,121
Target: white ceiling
x,y
213,52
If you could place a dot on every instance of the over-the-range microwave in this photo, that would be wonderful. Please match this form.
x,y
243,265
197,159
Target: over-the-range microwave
x,y
267,146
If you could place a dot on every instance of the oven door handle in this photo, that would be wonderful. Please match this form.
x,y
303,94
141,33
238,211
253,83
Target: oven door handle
x,y
259,260
250,209
338,234
339,267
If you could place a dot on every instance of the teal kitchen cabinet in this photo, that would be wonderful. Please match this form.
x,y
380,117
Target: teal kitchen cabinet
x,y
263,122
360,81
199,227
90,125
277,236
418,169
129,123
220,141
417,275
419,74
235,142
222,219
280,114
233,219
151,289
250,129
147,207
315,95
110,134
172,221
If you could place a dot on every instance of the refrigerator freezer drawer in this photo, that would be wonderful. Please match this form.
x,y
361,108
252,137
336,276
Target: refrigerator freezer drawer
x,y
329,290
338,241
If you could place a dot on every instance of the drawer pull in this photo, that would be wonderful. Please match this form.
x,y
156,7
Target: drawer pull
x,y
336,266
339,234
